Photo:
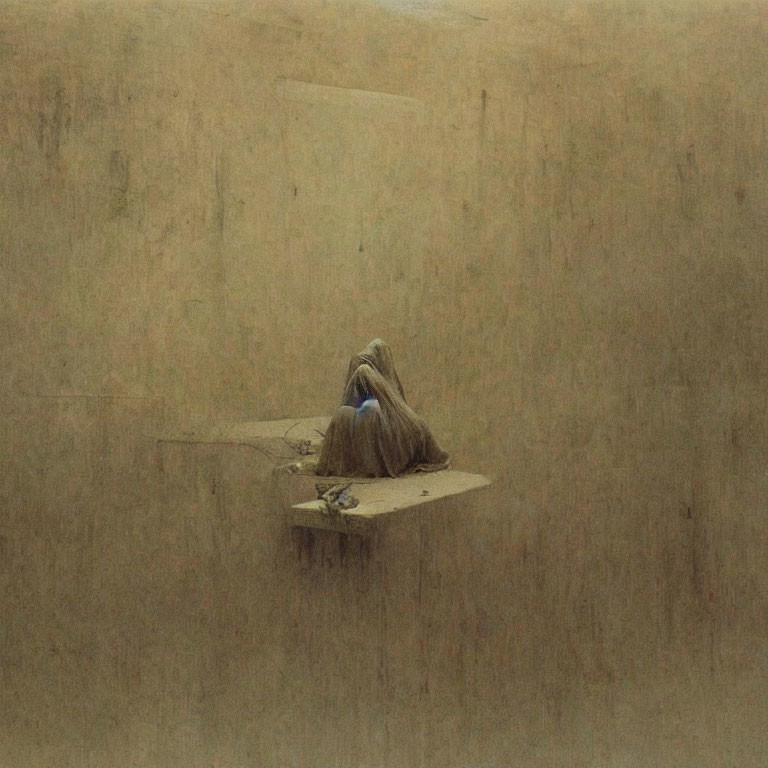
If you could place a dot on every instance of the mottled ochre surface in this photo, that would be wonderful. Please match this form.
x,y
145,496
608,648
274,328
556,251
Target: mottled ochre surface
x,y
557,215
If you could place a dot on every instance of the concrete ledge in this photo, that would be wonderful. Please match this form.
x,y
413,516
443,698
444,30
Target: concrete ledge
x,y
291,446
384,499
283,440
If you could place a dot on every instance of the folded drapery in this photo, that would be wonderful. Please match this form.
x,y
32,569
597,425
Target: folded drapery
x,y
375,433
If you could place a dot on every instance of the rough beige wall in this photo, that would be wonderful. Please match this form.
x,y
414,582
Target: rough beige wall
x,y
555,213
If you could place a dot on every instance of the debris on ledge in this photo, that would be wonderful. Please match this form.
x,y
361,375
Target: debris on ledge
x,y
384,499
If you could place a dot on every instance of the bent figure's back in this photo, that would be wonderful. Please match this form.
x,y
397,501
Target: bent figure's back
x,y
375,433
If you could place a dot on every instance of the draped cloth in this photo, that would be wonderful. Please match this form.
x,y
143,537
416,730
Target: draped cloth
x,y
375,433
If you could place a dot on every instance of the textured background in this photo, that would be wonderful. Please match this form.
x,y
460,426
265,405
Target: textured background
x,y
557,215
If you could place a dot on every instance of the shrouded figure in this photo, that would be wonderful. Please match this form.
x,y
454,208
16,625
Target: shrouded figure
x,y
374,433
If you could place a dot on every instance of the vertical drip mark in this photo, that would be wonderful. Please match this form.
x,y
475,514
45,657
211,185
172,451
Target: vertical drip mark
x,y
423,650
383,639
219,184
220,266
480,156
